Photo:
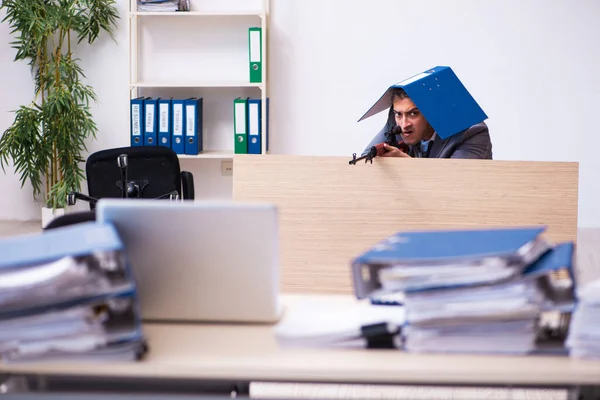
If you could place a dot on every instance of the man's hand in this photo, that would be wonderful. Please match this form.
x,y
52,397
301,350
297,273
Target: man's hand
x,y
392,151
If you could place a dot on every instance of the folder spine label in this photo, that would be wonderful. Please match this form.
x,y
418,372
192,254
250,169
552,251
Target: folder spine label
x,y
137,126
151,121
178,126
135,113
164,123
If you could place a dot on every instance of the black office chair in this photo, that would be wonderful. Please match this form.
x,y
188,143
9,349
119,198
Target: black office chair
x,y
151,172
130,172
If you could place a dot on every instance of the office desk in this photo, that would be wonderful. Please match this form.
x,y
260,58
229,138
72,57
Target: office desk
x,y
212,358
216,357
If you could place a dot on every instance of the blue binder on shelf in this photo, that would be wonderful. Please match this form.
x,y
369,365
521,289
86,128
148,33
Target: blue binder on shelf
x,y
151,121
178,126
193,126
137,126
254,122
164,122
442,99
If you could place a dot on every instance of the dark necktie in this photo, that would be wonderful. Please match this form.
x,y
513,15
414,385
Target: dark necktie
x,y
424,148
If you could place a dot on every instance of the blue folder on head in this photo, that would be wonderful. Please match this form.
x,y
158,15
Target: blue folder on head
x,y
442,99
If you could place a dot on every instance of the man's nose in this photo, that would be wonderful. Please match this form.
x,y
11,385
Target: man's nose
x,y
404,123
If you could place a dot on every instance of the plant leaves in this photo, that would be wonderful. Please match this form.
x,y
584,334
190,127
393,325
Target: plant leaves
x,y
47,138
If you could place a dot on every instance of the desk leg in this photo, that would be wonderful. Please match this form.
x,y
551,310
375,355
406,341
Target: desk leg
x,y
584,393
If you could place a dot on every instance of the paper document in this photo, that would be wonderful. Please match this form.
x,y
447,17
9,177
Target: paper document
x,y
584,334
318,321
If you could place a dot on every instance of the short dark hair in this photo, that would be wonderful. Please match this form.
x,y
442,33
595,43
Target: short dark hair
x,y
397,94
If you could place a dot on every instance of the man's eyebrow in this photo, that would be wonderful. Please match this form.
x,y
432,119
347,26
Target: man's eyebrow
x,y
407,111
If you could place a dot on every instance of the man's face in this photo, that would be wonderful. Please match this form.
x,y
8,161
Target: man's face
x,y
414,125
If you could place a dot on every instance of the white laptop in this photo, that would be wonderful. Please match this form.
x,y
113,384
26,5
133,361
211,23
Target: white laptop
x,y
200,260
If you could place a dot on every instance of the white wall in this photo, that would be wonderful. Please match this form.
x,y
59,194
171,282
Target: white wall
x,y
532,65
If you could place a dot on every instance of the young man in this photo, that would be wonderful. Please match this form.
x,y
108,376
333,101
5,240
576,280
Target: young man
x,y
473,142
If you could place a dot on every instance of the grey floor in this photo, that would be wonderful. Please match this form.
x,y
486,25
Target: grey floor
x,y
10,228
588,261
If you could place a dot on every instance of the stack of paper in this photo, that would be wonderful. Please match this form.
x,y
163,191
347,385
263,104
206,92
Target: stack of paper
x,y
584,333
334,321
469,290
163,5
68,293
492,320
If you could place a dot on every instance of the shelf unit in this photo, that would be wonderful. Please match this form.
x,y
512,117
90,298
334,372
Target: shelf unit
x,y
195,14
207,84
135,84
217,154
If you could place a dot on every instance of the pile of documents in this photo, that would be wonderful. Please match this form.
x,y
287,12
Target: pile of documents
x,y
68,293
470,290
336,321
163,5
584,332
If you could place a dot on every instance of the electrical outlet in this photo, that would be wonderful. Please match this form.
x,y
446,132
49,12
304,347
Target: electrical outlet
x,y
226,168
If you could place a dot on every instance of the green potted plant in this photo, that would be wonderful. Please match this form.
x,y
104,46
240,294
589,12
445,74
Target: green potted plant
x,y
48,137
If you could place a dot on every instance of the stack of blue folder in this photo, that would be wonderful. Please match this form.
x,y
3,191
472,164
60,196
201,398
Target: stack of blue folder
x,y
68,293
473,291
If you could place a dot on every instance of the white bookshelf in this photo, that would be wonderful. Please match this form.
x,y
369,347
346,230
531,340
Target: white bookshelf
x,y
192,84
172,21
216,154
183,14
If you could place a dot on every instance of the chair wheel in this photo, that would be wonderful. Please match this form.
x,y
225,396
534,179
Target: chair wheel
x,y
71,199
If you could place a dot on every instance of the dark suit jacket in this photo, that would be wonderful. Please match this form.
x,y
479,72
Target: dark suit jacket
x,y
473,142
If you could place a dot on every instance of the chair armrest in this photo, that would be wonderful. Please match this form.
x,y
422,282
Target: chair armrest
x,y
73,196
187,185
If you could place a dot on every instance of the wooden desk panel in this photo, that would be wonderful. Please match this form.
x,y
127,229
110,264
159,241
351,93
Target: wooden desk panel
x,y
331,211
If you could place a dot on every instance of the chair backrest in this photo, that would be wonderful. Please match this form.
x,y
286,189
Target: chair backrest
x,y
154,171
